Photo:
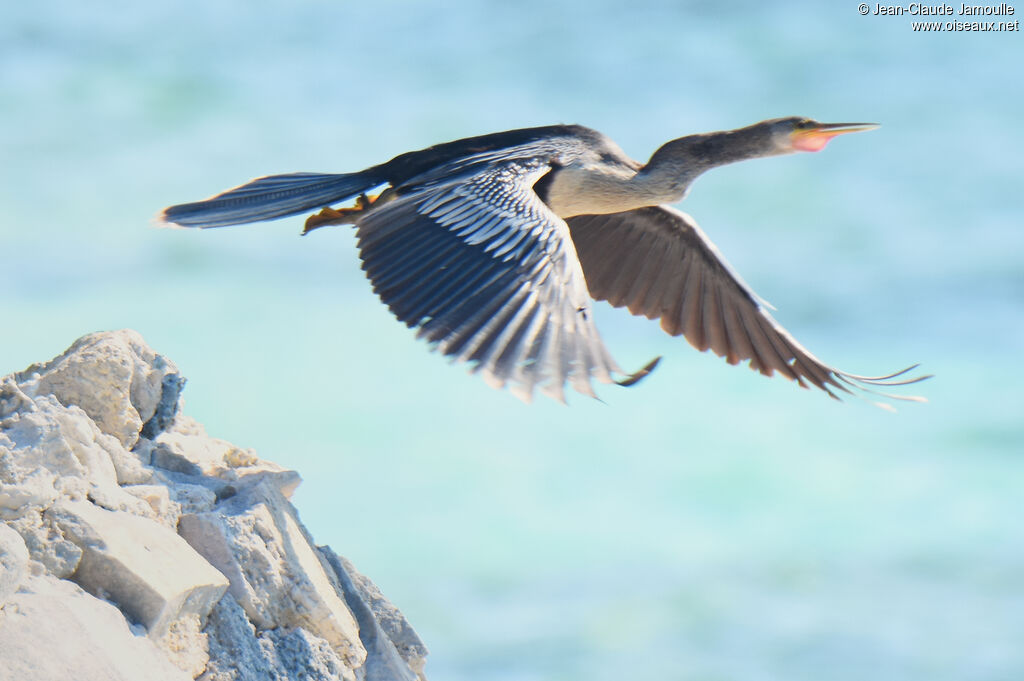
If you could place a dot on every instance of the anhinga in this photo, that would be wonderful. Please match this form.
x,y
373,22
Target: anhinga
x,y
493,246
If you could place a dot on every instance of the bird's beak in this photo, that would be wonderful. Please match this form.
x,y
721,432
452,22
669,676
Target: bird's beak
x,y
815,139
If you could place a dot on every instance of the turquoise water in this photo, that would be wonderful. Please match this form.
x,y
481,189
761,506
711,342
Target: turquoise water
x,y
708,524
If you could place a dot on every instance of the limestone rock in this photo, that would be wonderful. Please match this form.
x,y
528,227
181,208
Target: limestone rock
x,y
235,650
13,562
116,378
158,498
306,656
51,450
276,576
394,650
186,644
51,630
148,571
239,653
46,544
194,563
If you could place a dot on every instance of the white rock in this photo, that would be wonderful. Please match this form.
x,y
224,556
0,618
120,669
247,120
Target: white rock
x,y
158,498
276,576
188,440
186,645
236,653
194,498
307,656
395,650
34,490
98,475
129,468
47,545
147,570
60,440
13,562
115,377
51,630
162,456
51,450
12,398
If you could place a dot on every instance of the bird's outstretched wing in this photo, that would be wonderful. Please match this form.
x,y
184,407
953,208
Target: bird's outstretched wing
x,y
488,274
658,263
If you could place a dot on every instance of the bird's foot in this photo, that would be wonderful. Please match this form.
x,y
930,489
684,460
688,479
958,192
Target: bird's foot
x,y
339,216
635,378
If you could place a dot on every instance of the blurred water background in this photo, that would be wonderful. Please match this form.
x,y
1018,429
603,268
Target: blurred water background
x,y
707,525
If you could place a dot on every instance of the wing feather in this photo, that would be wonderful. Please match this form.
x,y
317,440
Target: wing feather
x,y
714,326
692,326
683,280
488,275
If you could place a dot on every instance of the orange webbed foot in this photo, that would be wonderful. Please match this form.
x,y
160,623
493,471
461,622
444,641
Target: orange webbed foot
x,y
339,216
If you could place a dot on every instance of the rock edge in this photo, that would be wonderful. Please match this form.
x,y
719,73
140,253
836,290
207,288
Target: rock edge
x,y
133,545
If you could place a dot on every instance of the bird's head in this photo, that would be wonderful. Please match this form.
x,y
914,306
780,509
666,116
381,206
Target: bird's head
x,y
678,162
803,134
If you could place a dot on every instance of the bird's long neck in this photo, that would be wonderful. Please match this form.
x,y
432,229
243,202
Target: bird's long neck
x,y
678,163
616,187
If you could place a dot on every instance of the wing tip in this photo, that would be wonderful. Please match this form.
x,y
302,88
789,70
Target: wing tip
x,y
880,385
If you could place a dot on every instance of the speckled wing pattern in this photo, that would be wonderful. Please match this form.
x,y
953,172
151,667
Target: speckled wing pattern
x,y
658,263
470,255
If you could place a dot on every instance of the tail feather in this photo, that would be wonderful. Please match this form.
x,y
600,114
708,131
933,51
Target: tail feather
x,y
270,197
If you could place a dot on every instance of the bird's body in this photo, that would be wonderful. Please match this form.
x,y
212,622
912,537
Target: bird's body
x,y
493,247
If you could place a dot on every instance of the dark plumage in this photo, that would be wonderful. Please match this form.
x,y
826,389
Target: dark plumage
x,y
493,246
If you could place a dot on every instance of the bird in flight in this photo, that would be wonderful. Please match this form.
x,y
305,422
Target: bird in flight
x,y
494,248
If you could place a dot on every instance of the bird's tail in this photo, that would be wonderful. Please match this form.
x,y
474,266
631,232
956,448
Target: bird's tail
x,y
270,197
